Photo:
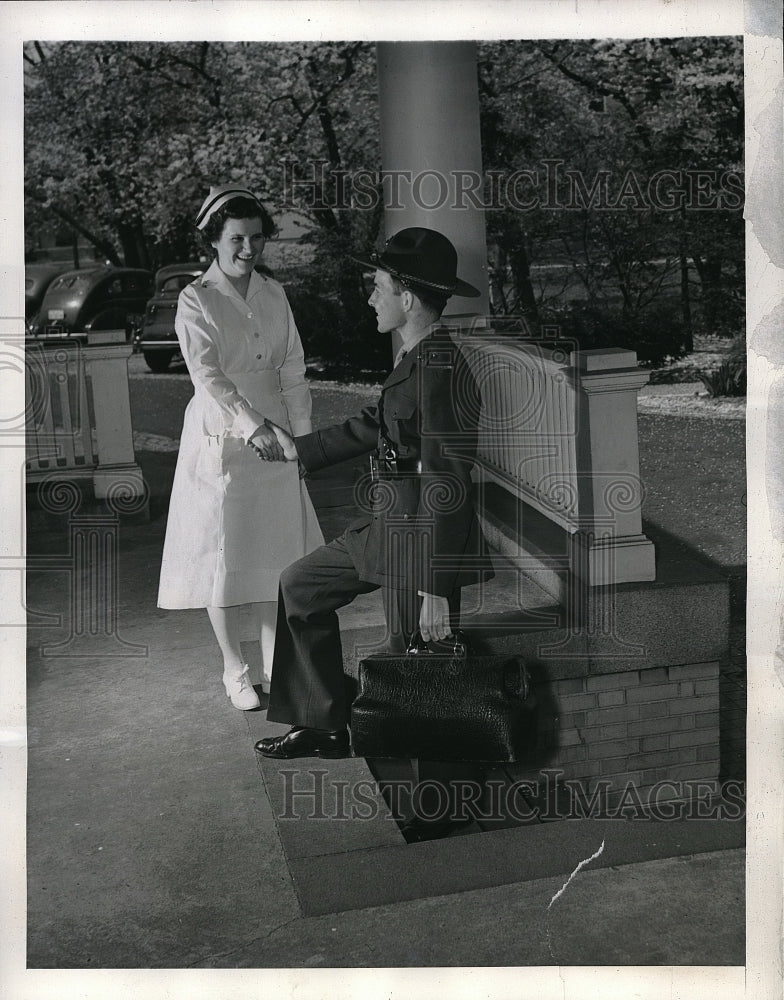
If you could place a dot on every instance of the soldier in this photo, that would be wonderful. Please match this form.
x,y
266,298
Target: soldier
x,y
421,436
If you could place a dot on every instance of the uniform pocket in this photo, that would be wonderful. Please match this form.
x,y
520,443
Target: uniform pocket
x,y
211,458
400,406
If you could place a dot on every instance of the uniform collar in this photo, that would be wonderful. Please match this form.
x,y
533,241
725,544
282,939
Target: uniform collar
x,y
213,277
403,368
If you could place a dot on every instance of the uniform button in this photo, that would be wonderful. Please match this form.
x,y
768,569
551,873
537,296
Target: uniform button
x,y
258,357
405,517
256,334
250,315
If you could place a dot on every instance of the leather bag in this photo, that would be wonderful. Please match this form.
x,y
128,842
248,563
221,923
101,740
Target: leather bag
x,y
440,702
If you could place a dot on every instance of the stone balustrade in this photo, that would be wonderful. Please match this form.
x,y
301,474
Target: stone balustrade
x,y
558,431
78,415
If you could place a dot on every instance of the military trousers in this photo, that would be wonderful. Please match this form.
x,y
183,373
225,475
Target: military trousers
x,y
308,685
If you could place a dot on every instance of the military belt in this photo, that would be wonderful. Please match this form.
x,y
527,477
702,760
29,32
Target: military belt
x,y
380,467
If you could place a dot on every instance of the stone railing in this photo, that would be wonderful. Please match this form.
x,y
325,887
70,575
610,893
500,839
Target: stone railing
x,y
558,430
78,414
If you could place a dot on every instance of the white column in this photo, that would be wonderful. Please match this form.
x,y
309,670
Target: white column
x,y
431,148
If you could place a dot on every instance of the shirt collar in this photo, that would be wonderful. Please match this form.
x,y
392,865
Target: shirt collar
x,y
214,277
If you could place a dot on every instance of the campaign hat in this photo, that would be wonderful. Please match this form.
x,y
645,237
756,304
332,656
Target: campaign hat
x,y
421,257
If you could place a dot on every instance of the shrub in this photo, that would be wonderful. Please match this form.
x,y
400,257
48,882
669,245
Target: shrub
x,y
340,342
656,334
729,379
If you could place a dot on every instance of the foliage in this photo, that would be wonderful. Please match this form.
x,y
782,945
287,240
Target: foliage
x,y
131,181
122,140
656,333
729,379
620,113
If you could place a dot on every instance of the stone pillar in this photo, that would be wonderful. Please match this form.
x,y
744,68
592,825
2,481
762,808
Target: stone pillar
x,y
609,546
431,151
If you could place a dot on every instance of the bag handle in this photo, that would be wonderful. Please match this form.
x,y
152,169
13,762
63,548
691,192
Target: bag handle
x,y
455,645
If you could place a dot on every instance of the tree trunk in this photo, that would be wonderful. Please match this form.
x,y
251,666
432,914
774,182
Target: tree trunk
x,y
688,332
134,245
497,282
521,277
688,335
107,250
709,269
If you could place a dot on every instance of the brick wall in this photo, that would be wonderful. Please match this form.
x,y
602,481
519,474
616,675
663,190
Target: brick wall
x,y
641,726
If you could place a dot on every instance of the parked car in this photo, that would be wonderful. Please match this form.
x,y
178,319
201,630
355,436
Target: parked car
x,y
38,277
96,298
157,339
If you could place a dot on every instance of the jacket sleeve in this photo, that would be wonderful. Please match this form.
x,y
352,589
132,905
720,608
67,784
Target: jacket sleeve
x,y
449,409
356,436
296,394
196,335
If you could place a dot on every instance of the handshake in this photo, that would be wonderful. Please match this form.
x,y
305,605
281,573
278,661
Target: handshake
x,y
272,444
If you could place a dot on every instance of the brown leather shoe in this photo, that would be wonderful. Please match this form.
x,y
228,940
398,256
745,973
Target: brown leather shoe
x,y
302,742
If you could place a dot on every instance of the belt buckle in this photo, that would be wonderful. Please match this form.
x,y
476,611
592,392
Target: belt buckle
x,y
379,467
389,458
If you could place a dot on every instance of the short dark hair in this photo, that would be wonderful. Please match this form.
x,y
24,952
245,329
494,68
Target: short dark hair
x,y
236,208
430,299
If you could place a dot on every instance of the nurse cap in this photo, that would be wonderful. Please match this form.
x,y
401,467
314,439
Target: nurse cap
x,y
219,196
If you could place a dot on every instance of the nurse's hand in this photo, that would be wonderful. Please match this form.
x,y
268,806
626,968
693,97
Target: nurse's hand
x,y
266,446
286,442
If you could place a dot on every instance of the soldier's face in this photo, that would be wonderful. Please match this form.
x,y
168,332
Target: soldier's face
x,y
387,303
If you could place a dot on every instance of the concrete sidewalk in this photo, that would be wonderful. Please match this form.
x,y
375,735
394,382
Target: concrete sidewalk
x,y
157,840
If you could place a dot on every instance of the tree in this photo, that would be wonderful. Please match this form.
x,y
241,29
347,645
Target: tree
x,y
124,139
613,128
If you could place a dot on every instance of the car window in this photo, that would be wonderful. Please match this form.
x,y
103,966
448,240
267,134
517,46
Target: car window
x,y
134,284
176,283
68,281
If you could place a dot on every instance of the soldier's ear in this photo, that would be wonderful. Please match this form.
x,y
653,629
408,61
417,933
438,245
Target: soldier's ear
x,y
407,299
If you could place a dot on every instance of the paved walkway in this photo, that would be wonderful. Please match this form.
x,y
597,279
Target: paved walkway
x,y
157,841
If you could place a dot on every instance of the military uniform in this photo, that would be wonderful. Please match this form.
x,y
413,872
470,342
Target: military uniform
x,y
418,533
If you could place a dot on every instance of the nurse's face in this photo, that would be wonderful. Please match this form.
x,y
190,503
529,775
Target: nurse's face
x,y
240,246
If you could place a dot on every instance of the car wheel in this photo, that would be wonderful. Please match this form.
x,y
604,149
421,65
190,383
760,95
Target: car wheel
x,y
158,361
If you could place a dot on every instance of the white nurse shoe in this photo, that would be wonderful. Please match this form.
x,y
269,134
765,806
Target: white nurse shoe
x,y
240,690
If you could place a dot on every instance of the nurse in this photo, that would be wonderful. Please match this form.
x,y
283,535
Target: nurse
x,y
239,513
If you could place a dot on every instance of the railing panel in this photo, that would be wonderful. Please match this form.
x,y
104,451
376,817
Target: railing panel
x,y
558,430
79,417
528,419
59,431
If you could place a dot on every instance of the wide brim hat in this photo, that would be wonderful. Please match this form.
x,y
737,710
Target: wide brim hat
x,y
421,257
218,196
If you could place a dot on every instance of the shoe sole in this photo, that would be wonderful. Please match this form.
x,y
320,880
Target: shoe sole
x,y
325,754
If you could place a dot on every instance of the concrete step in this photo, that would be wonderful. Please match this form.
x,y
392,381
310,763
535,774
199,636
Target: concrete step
x,y
492,612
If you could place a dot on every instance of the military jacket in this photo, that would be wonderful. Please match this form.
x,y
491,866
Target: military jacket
x,y
419,529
